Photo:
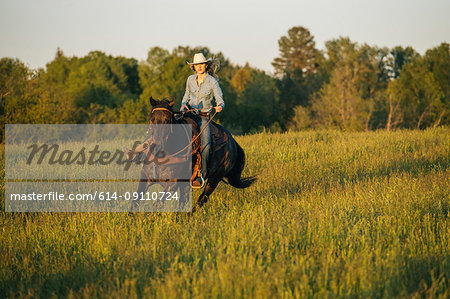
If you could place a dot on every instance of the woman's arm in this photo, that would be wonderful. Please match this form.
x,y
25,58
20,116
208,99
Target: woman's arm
x,y
186,97
218,95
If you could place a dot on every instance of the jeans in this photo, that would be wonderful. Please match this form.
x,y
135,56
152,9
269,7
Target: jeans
x,y
205,139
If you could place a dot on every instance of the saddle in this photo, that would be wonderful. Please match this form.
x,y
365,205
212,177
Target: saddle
x,y
219,138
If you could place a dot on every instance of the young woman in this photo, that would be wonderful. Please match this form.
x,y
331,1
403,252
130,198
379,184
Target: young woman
x,y
201,88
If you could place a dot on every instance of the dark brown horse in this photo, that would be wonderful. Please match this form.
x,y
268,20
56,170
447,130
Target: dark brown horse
x,y
226,162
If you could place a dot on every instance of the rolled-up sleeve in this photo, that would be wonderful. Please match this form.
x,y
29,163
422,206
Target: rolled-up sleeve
x,y
218,95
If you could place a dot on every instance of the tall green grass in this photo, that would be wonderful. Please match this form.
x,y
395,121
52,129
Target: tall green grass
x,y
332,215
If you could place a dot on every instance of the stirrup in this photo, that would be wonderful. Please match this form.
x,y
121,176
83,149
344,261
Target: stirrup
x,y
198,187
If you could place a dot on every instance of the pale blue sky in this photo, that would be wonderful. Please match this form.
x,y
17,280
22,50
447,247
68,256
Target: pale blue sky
x,y
243,30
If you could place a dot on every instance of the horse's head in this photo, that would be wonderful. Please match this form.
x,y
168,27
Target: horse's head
x,y
161,119
161,112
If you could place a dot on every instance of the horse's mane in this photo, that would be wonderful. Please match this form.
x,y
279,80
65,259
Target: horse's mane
x,y
164,103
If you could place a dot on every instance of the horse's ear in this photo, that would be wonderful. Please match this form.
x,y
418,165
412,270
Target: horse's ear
x,y
171,103
152,101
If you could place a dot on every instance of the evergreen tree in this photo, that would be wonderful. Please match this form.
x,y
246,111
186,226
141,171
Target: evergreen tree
x,y
298,53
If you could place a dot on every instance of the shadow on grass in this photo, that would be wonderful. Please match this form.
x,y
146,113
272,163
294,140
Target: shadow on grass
x,y
44,285
423,276
342,177
413,167
91,278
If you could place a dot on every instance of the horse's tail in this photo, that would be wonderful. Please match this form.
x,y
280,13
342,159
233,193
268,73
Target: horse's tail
x,y
234,176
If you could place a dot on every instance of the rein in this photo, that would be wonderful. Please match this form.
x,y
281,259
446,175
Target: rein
x,y
198,135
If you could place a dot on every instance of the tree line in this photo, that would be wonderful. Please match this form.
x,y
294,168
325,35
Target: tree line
x,y
348,86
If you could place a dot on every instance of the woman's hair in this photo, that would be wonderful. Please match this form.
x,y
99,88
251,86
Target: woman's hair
x,y
212,67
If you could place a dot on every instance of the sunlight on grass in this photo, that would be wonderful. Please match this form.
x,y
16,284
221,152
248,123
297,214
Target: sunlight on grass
x,y
332,214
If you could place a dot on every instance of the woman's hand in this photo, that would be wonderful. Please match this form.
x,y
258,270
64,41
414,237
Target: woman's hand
x,y
218,108
184,107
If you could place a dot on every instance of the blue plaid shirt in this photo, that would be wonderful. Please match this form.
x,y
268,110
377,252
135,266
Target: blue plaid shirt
x,y
201,96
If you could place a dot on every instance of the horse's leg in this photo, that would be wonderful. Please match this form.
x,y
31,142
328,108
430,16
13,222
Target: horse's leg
x,y
210,186
142,187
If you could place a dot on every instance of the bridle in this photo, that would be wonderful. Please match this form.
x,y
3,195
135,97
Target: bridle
x,y
161,109
196,137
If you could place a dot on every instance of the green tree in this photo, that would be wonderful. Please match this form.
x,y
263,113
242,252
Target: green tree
x,y
387,110
258,102
301,120
91,82
356,76
399,57
298,69
298,53
27,98
421,91
14,91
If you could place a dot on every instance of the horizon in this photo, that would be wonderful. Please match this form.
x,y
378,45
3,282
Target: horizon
x,y
248,38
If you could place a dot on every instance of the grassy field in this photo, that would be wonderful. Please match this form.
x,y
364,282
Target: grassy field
x,y
332,215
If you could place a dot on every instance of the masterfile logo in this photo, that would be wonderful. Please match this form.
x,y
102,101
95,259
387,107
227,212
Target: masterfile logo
x,y
83,168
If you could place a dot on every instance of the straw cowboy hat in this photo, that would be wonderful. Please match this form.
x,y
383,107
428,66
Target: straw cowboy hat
x,y
199,58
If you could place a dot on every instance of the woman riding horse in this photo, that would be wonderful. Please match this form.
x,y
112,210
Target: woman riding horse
x,y
227,162
201,87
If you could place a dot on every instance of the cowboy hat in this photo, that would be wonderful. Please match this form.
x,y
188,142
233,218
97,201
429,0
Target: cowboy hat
x,y
199,58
